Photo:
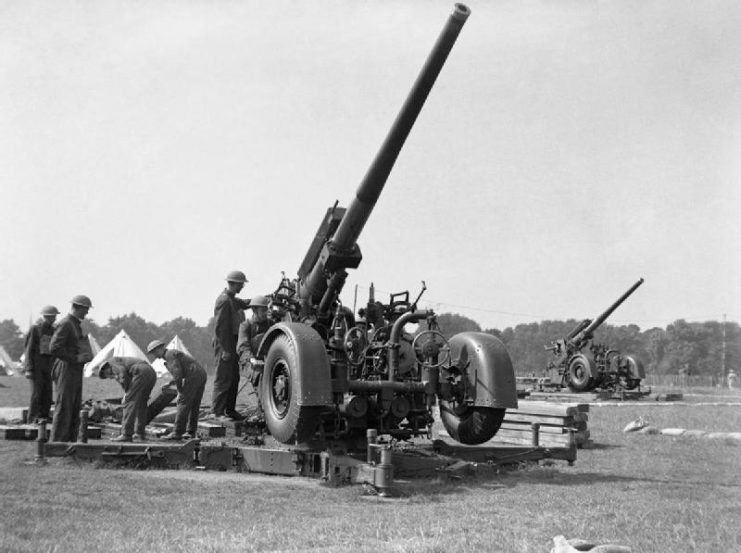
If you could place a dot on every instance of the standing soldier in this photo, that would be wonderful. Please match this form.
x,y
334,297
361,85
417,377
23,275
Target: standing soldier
x,y
228,315
137,378
71,348
251,333
38,362
190,381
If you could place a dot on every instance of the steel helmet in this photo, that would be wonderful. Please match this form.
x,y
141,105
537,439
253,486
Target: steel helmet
x,y
153,345
84,301
50,310
236,276
259,301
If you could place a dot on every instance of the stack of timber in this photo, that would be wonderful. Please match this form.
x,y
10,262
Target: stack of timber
x,y
555,422
593,396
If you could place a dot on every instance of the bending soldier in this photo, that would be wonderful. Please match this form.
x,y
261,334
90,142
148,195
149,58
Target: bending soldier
x,y
190,380
137,378
228,315
251,333
71,350
38,363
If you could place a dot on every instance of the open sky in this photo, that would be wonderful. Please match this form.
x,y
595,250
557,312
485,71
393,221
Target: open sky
x,y
568,149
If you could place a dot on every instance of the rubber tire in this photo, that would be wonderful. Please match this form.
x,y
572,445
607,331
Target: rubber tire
x,y
578,383
294,423
475,426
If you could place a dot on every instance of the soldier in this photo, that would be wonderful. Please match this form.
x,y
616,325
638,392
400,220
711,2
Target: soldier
x,y
251,332
190,380
71,350
228,315
137,378
38,361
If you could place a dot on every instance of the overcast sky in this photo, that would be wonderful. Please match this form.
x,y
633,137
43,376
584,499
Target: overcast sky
x,y
568,149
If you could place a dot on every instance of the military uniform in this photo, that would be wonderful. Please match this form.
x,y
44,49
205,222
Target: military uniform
x,y
67,373
228,315
190,381
38,361
137,378
250,335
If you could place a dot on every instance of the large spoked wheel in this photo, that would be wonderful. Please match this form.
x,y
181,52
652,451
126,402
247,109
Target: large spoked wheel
x,y
429,345
286,420
470,425
356,343
580,374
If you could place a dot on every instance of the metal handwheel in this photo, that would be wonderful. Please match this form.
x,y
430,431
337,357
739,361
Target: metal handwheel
x,y
356,342
434,345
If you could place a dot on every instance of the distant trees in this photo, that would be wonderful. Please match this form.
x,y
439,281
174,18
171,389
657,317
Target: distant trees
x,y
697,347
694,347
11,338
452,323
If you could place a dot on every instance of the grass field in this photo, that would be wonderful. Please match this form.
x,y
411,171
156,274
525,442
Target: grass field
x,y
652,493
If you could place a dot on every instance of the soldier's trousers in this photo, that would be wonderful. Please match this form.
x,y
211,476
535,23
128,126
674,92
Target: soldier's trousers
x,y
41,392
68,401
189,403
226,384
134,419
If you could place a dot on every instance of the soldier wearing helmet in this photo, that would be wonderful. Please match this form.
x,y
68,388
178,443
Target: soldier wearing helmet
x,y
137,378
71,349
190,380
251,333
38,362
228,314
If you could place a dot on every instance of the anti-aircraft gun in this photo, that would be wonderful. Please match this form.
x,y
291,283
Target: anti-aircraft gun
x,y
328,376
606,368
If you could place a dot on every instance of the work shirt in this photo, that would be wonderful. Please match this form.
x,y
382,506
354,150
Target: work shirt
x,y
251,333
65,343
37,353
228,315
131,367
181,366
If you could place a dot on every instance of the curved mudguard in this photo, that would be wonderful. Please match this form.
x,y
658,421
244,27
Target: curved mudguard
x,y
635,367
313,381
491,378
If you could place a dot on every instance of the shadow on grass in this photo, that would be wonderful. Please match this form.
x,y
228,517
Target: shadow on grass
x,y
595,445
545,475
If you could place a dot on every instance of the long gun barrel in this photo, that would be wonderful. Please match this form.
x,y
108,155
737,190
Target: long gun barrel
x,y
589,330
327,275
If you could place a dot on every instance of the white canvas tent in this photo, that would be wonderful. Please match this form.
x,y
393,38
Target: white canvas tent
x,y
159,364
7,365
94,345
121,346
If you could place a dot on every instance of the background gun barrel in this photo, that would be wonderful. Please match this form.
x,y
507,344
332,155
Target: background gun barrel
x,y
601,319
372,184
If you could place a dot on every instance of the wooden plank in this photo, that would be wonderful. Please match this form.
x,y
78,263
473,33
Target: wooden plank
x,y
541,419
31,432
545,441
18,431
545,438
527,429
549,408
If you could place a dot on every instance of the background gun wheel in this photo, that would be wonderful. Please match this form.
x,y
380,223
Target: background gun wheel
x,y
580,374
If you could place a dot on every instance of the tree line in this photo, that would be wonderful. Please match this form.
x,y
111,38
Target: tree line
x,y
694,347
